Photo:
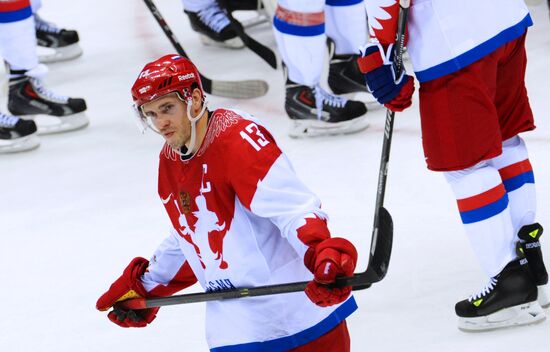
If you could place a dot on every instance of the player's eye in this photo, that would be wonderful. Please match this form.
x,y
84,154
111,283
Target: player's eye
x,y
150,114
167,109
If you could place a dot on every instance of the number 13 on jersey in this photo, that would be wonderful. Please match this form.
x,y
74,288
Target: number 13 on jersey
x,y
252,135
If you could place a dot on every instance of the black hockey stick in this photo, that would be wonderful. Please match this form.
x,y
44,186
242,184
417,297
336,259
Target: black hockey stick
x,y
258,48
378,265
383,223
231,89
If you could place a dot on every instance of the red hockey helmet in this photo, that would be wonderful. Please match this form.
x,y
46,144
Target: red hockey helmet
x,y
170,73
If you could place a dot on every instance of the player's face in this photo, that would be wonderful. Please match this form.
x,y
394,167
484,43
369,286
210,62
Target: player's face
x,y
168,115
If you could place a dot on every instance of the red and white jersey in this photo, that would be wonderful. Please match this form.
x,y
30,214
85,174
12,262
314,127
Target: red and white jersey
x,y
241,217
444,35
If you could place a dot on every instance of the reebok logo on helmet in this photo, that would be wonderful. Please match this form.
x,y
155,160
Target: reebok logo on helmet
x,y
186,76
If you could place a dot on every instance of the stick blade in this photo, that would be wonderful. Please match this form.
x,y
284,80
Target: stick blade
x,y
246,89
382,245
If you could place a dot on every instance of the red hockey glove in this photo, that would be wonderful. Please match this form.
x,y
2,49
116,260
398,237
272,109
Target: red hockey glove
x,y
376,64
330,258
126,287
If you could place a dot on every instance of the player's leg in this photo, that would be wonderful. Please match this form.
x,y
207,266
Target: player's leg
x,y
27,96
300,33
56,43
514,165
207,18
450,106
346,26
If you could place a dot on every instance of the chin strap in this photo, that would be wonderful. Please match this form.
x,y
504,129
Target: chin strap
x,y
193,120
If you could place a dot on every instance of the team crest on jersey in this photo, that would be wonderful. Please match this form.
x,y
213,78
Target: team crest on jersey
x,y
201,226
185,202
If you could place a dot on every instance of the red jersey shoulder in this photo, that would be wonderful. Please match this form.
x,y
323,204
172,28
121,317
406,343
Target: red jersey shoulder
x,y
249,142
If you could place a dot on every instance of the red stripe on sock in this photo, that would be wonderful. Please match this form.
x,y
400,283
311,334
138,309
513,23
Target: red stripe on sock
x,y
300,18
516,169
14,5
482,199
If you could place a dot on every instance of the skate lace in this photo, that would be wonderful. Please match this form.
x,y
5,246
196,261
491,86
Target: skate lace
x,y
47,94
7,120
45,26
323,97
214,17
485,291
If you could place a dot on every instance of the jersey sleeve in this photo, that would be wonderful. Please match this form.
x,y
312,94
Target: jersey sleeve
x,y
168,271
382,15
266,184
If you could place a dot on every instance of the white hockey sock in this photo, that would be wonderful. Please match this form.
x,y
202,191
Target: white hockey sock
x,y
299,29
518,179
483,206
18,38
346,24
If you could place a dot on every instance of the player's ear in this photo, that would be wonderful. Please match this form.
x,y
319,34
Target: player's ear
x,y
197,100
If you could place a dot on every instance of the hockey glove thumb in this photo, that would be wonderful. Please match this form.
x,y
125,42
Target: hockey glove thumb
x,y
330,258
378,68
128,286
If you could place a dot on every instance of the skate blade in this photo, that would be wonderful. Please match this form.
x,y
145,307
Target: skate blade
x,y
51,55
523,314
233,43
316,128
48,124
22,144
543,296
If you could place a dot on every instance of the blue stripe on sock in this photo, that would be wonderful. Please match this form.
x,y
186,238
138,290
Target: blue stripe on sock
x,y
516,182
14,16
485,212
343,2
300,31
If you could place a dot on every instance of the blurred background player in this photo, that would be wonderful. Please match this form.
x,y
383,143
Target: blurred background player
x,y
59,44
473,105
210,20
301,30
220,179
27,95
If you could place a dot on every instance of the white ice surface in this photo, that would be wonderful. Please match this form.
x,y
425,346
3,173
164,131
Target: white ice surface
x,y
74,212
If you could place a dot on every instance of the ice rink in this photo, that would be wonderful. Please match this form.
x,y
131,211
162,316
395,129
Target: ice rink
x,y
74,212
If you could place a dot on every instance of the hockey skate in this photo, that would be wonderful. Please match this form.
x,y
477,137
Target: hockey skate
x,y
344,77
54,113
214,27
17,135
509,299
315,112
530,247
55,44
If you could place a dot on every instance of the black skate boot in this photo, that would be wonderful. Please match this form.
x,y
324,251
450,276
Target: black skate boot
x,y
215,27
344,76
28,98
530,246
509,299
315,112
62,44
17,135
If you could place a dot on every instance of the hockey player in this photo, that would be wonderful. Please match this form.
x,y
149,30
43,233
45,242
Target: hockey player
x,y
470,59
240,218
60,44
27,95
301,30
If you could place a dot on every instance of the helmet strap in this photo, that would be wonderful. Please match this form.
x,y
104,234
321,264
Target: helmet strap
x,y
193,120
